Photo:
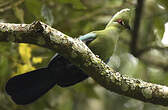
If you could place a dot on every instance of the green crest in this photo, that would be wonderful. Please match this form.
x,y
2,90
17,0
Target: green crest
x,y
126,15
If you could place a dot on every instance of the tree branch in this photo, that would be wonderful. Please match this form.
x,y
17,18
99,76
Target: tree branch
x,y
79,54
134,42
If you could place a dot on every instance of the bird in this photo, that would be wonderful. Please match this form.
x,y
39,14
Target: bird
x,y
28,87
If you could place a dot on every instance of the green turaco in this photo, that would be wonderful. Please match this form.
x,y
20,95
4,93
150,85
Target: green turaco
x,y
28,87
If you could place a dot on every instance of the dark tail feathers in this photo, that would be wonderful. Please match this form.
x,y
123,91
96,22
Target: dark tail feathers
x,y
28,87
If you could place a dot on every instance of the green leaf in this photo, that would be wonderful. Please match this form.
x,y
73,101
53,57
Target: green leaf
x,y
164,3
47,15
76,3
19,14
87,89
3,65
159,26
34,7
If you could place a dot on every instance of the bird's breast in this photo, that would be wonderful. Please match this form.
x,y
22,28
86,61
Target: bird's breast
x,y
103,47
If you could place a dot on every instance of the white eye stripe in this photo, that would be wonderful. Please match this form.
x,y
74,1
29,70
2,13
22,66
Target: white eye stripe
x,y
120,12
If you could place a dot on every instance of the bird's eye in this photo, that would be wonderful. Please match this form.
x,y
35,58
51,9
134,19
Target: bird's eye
x,y
120,21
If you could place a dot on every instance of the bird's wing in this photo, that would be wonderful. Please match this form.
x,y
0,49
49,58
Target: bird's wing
x,y
87,38
65,72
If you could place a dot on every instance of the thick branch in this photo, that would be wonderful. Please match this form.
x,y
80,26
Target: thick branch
x,y
78,53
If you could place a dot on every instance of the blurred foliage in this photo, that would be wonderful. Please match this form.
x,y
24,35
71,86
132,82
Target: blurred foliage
x,y
75,18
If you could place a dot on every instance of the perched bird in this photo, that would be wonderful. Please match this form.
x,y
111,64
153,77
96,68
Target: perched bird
x,y
28,87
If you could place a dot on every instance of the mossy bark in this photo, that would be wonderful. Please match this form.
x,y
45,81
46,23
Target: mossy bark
x,y
79,54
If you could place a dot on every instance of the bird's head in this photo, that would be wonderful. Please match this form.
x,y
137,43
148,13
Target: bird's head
x,y
122,19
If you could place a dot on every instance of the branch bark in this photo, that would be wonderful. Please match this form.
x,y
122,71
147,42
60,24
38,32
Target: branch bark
x,y
79,54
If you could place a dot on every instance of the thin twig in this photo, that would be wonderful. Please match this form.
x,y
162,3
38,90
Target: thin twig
x,y
96,12
135,35
6,8
3,4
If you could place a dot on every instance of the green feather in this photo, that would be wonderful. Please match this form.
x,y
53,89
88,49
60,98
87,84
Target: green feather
x,y
126,15
103,45
102,42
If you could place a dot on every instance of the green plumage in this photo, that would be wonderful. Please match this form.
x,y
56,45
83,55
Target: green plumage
x,y
102,42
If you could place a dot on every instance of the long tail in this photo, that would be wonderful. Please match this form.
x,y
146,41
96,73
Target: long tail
x,y
28,87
